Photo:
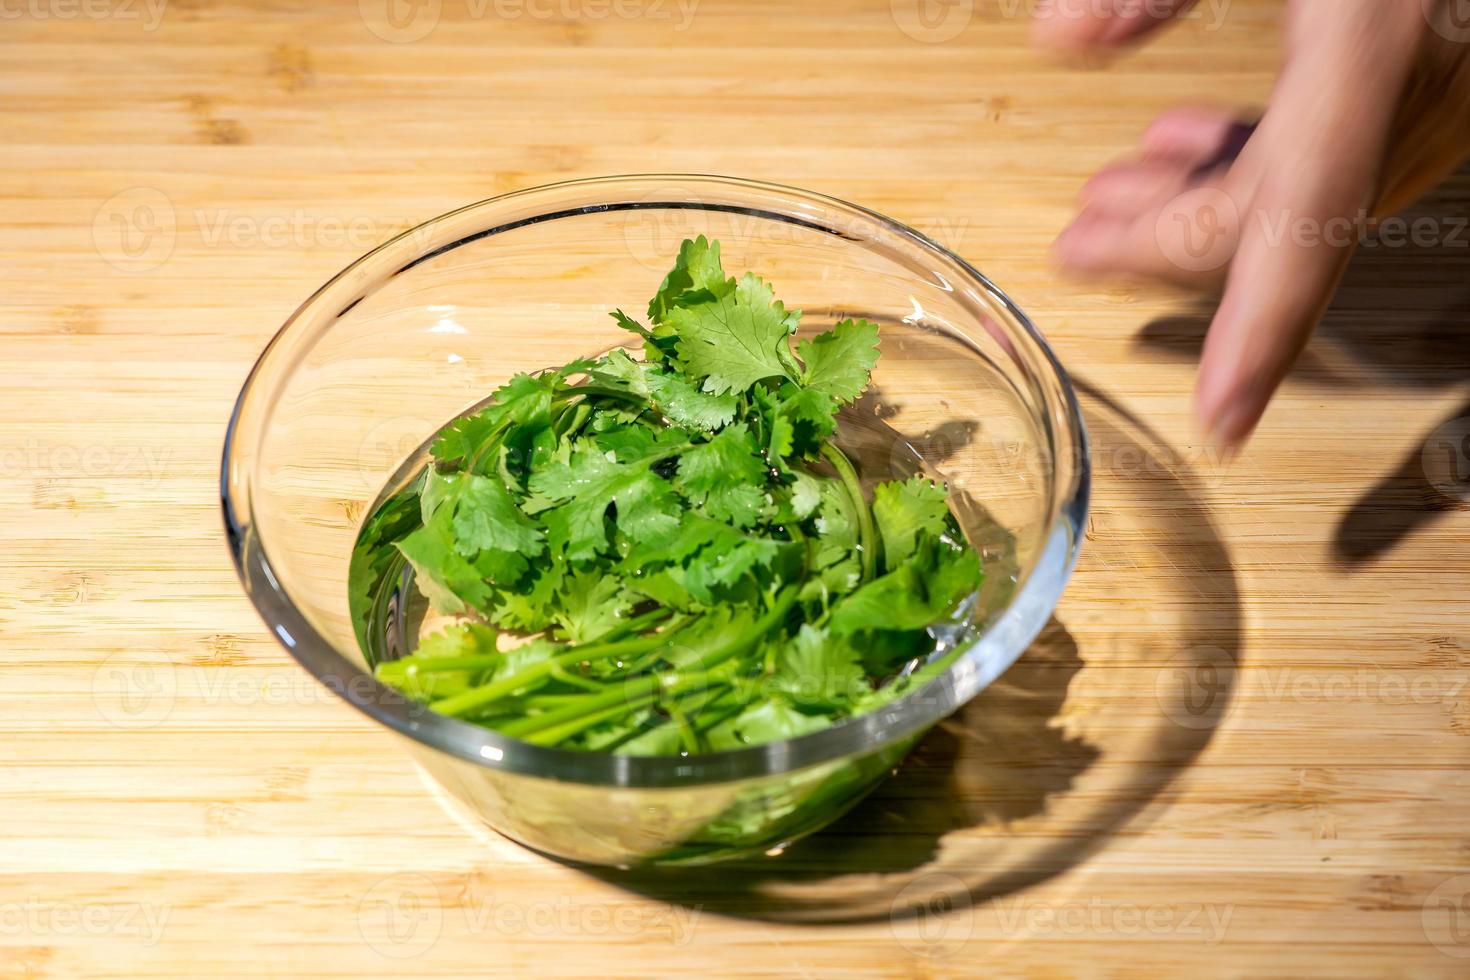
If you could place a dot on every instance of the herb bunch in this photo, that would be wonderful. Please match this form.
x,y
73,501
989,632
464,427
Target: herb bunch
x,y
672,555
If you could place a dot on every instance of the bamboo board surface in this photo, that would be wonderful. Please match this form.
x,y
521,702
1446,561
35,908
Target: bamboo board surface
x,y
1241,749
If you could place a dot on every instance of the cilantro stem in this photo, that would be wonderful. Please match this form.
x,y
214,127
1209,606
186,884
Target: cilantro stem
x,y
564,731
560,673
714,663
635,625
467,701
867,538
411,666
604,391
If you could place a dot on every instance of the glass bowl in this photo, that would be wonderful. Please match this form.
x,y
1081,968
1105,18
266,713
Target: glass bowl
x,y
338,410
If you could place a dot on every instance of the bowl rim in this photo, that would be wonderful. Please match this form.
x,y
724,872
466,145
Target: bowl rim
x,y
992,652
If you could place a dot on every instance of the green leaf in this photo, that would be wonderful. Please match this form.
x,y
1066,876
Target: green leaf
x,y
438,487
459,640
695,532
768,721
725,565
806,495
694,645
442,574
696,271
840,362
500,567
805,418
530,608
486,517
524,400
684,404
684,486
461,439
665,587
617,370
647,508
919,593
726,476
589,483
836,525
733,341
816,670
627,443
631,325
592,604
905,510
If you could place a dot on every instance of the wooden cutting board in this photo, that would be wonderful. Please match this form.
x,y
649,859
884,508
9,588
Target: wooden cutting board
x,y
1240,749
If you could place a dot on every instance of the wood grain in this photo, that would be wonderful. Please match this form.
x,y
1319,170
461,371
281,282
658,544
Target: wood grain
x,y
1240,750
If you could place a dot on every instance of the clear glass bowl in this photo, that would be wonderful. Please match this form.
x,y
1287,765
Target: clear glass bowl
x,y
345,397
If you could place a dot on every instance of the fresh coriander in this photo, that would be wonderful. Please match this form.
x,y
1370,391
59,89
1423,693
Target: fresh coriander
x,y
672,554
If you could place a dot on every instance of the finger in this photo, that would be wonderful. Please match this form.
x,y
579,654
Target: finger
x,y
1187,239
1133,188
1196,135
1324,136
1079,25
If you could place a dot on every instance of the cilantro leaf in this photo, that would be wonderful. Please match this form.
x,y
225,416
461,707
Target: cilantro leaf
x,y
769,721
733,341
836,524
446,578
686,405
617,370
460,439
647,508
922,591
717,567
531,608
591,605
840,361
805,417
459,640
905,510
818,670
725,476
524,400
589,483
486,517
806,495
697,274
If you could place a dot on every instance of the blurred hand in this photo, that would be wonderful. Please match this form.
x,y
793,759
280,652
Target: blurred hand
x,y
1370,112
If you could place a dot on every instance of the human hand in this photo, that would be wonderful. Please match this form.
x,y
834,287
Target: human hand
x,y
1370,112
